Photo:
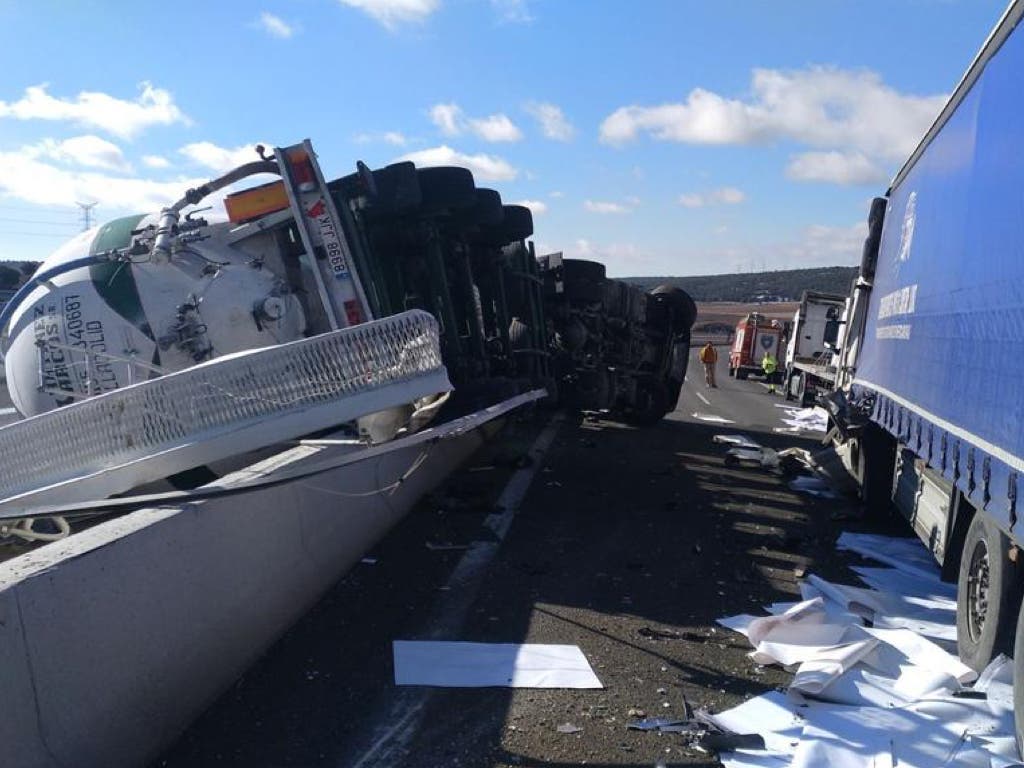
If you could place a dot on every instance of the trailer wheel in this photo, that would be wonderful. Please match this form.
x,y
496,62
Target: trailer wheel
x,y
1018,679
445,188
984,595
583,280
651,403
876,463
517,223
683,306
742,373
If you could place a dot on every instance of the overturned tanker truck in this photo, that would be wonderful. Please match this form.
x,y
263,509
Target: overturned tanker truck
x,y
144,296
267,395
408,261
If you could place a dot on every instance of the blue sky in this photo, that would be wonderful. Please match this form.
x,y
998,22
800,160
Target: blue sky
x,y
662,137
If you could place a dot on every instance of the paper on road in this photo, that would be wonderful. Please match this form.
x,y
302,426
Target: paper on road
x,y
710,417
483,665
882,696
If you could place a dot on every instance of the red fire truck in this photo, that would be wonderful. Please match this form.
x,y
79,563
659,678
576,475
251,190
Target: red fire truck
x,y
755,335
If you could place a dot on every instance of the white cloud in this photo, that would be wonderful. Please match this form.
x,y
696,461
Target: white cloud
x,y
220,159
538,207
394,138
836,168
495,128
556,194
618,258
552,121
392,13
720,196
155,161
598,206
124,118
484,167
512,11
448,118
821,245
88,151
25,176
452,121
819,106
275,26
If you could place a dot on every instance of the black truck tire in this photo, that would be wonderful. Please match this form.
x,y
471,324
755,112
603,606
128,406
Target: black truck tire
x,y
876,463
985,592
487,211
684,309
652,403
446,188
1018,678
583,280
517,223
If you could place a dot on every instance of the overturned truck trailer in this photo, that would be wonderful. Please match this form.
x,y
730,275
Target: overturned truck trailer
x,y
933,361
263,398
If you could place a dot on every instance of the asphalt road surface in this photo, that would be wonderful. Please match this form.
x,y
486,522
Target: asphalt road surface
x,y
629,543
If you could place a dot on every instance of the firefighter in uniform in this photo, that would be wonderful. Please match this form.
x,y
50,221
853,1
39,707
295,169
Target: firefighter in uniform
x,y
709,356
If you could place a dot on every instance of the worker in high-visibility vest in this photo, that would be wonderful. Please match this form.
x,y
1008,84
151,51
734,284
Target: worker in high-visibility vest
x,y
769,365
709,356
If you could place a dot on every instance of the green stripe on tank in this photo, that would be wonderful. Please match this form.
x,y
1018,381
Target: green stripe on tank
x,y
115,234
114,281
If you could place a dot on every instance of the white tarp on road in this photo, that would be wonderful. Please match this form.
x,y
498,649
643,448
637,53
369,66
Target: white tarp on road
x,y
486,665
878,683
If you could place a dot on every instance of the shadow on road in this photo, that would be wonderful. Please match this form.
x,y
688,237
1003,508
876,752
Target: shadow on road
x,y
630,544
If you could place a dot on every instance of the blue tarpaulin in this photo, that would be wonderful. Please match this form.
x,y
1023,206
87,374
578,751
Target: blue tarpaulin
x,y
944,339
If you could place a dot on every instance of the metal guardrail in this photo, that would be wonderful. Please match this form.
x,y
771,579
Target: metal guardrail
x,y
373,366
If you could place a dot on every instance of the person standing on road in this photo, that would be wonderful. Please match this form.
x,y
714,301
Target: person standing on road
x,y
769,365
709,356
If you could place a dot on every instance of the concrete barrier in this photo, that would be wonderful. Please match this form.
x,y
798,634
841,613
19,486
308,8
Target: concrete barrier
x,y
113,640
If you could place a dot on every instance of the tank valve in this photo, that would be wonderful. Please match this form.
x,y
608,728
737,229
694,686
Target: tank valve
x,y
270,309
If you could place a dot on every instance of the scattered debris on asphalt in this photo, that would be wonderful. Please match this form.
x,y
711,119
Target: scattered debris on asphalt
x,y
712,418
877,680
485,665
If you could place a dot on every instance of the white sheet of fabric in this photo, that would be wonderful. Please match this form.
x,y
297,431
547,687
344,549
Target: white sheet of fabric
x,y
502,665
710,417
738,440
892,701
892,580
907,555
922,652
929,617
774,715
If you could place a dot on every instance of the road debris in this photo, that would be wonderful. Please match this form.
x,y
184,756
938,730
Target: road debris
x,y
876,679
712,418
568,728
803,419
663,724
482,665
813,486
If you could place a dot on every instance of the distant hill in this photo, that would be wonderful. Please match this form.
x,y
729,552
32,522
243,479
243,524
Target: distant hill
x,y
786,285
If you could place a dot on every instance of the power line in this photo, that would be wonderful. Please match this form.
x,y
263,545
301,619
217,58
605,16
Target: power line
x,y
86,213
61,235
39,221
